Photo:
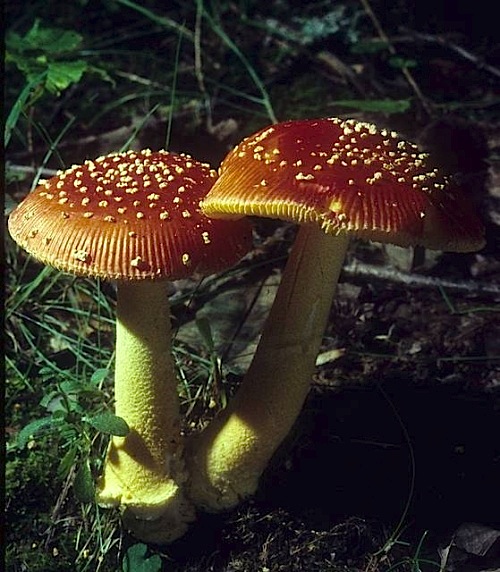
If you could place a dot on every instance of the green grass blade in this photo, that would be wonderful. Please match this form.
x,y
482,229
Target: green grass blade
x,y
265,99
161,20
18,107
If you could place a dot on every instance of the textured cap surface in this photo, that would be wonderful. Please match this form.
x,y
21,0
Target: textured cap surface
x,y
346,176
132,215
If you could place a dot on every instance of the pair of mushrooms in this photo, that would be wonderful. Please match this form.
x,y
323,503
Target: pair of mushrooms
x,y
142,217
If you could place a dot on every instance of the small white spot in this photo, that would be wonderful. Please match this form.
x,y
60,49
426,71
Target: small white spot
x,y
302,177
136,262
81,255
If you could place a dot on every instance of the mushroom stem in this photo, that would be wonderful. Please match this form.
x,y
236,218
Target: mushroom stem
x,y
144,471
227,459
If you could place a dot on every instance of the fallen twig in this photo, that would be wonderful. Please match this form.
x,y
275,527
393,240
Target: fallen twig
x,y
30,170
430,38
357,268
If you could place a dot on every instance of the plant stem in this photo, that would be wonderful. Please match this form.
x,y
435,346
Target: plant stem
x,y
144,470
227,459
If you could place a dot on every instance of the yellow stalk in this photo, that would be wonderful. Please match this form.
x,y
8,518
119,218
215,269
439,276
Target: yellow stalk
x,y
227,459
144,471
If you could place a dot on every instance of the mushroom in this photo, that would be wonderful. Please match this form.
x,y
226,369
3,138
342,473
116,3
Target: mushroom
x,y
134,218
337,179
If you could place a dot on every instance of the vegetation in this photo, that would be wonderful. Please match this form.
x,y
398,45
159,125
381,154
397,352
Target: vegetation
x,y
86,78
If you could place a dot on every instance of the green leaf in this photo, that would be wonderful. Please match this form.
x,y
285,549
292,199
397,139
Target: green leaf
x,y
109,423
67,462
377,105
46,370
70,386
135,560
61,402
48,397
99,376
32,429
40,51
400,63
83,485
61,74
45,39
369,46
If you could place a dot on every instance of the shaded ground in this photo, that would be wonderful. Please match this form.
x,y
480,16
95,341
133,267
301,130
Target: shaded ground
x,y
333,498
403,425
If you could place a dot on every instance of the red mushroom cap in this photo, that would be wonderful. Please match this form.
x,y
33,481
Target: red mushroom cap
x,y
346,176
132,215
